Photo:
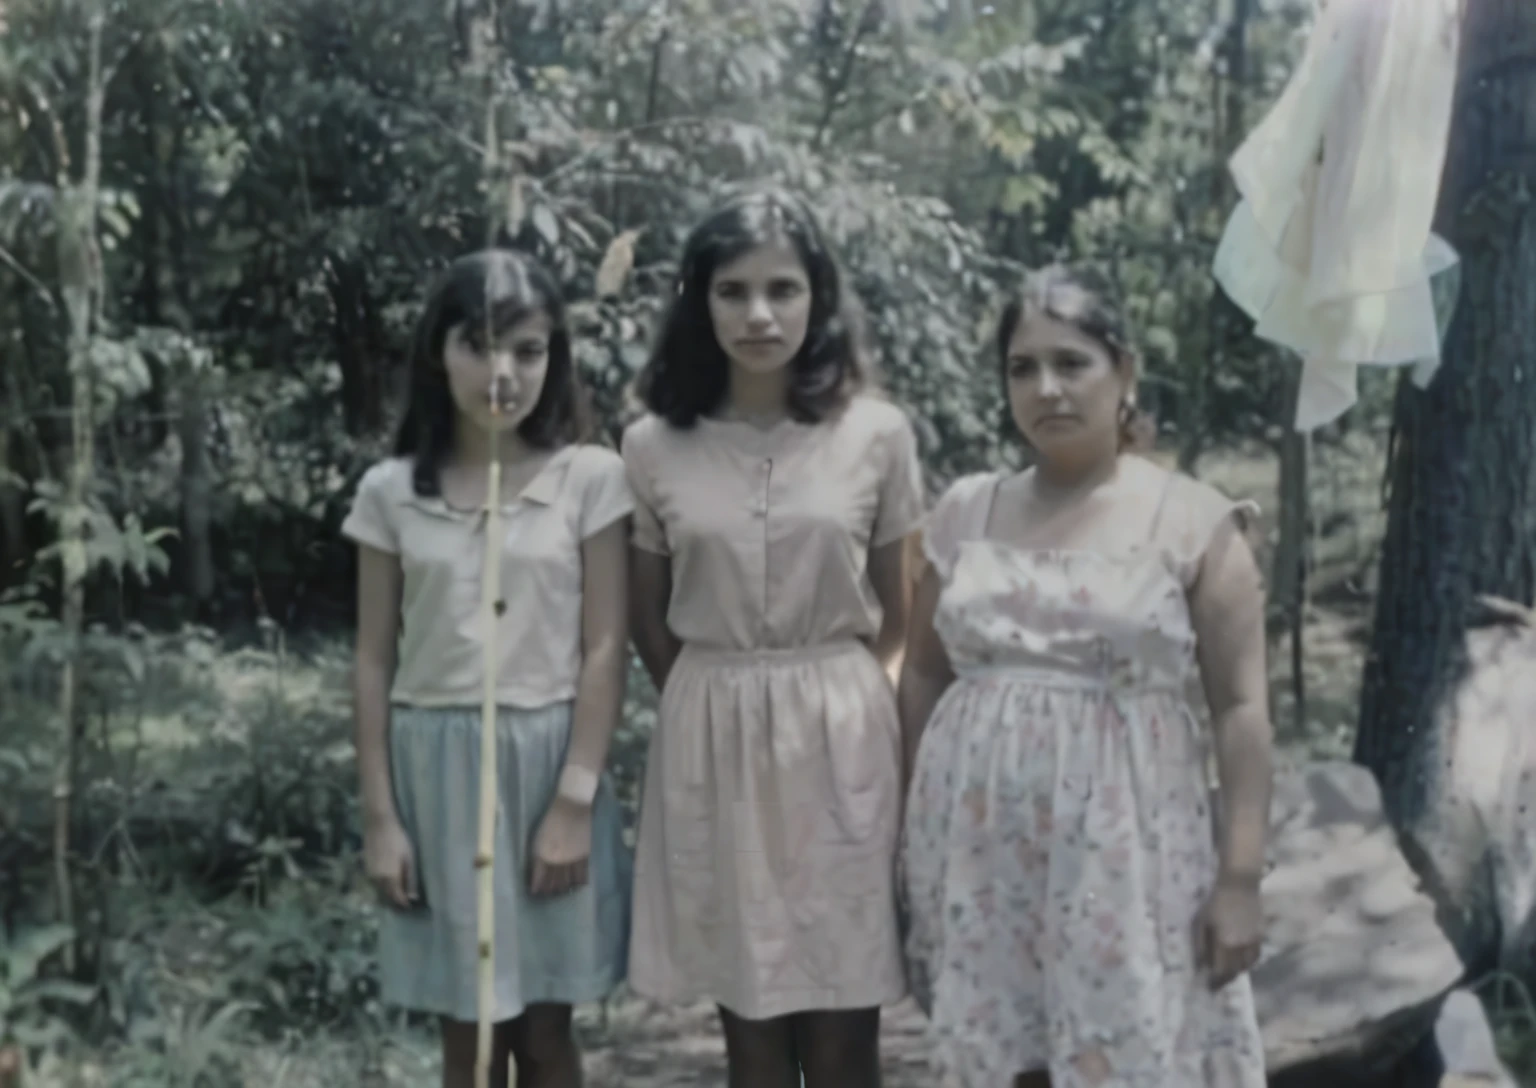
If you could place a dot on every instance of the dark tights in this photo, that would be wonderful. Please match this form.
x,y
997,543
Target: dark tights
x,y
539,1042
838,1049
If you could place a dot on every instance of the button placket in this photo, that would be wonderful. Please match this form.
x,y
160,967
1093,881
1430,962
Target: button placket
x,y
760,512
764,475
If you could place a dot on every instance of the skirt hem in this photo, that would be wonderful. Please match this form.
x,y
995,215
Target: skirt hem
x,y
845,1001
586,991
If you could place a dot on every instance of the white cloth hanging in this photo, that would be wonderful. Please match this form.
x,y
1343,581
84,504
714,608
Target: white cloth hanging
x,y
1330,249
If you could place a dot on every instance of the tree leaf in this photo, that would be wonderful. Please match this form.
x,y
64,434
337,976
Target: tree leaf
x,y
546,224
617,263
26,955
59,989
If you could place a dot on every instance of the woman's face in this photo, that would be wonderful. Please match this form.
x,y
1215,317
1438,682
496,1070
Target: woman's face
x,y
505,373
760,306
1065,390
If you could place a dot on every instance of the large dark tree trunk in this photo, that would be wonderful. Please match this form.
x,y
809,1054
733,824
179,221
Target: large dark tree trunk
x,y
1462,462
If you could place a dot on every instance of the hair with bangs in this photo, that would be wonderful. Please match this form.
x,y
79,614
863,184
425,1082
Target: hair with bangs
x,y
488,293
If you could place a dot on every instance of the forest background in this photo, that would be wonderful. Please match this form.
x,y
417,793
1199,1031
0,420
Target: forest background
x,y
217,220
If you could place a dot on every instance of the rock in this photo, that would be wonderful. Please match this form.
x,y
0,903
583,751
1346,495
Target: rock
x,y
1474,843
1467,1047
1354,964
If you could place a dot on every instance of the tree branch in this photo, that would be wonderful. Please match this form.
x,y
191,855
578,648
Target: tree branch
x,y
837,87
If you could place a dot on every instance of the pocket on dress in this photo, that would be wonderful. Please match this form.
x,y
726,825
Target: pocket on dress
x,y
862,736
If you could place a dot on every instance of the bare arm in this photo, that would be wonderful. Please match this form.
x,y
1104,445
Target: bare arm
x,y
1227,608
604,646
888,576
925,671
650,592
373,670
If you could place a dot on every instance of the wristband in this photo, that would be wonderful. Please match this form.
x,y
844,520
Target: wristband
x,y
577,784
1239,879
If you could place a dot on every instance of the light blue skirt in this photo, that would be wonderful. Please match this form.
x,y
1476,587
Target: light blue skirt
x,y
567,950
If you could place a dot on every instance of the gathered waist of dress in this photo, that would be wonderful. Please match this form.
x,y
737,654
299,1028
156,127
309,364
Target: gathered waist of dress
x,y
1068,679
771,655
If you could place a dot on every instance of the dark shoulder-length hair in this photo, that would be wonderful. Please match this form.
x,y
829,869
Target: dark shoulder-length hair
x,y
488,292
688,373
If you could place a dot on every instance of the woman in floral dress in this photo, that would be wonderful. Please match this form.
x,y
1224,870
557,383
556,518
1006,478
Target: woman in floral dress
x,y
1076,918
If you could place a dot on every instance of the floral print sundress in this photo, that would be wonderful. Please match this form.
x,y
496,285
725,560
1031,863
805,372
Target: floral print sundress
x,y
1058,840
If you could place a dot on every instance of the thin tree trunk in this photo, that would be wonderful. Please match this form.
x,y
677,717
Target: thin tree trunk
x,y
1462,460
13,540
1229,101
81,282
1288,581
196,488
1289,574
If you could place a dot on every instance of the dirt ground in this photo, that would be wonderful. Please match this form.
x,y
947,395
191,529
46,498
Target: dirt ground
x,y
646,1047
641,1046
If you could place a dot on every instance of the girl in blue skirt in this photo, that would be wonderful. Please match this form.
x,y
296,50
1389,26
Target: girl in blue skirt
x,y
492,356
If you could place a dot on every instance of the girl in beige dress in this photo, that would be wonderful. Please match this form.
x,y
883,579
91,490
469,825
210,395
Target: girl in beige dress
x,y
1074,920
773,501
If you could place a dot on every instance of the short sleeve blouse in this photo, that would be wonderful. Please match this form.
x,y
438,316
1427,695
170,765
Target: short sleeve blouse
x,y
769,530
578,493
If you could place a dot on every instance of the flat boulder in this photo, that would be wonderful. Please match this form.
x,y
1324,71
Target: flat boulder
x,y
1355,965
1474,839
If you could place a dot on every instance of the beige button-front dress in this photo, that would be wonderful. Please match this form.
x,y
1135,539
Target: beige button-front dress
x,y
764,876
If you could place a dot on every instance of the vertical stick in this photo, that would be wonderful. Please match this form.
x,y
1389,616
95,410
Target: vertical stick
x,y
80,273
485,855
483,39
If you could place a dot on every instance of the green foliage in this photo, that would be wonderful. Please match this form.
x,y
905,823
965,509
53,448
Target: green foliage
x,y
282,177
1513,1016
307,958
220,787
26,992
188,1048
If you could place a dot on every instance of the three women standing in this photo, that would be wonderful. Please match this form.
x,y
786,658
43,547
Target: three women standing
x,y
1074,919
774,496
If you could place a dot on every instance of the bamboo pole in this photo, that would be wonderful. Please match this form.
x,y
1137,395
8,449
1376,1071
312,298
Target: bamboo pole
x,y
80,272
485,856
483,40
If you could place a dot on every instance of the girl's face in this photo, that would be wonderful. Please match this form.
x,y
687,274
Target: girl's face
x,y
760,305
506,372
1064,389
